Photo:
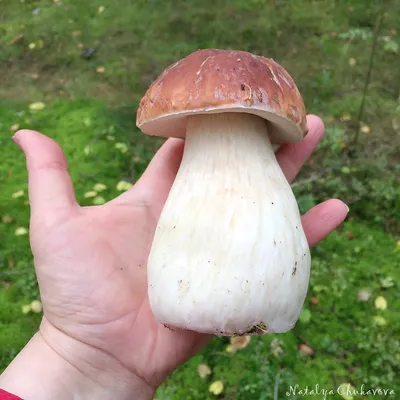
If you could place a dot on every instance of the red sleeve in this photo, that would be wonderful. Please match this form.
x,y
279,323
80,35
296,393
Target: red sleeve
x,y
8,396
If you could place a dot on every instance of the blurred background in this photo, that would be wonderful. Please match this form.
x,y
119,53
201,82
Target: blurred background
x,y
76,70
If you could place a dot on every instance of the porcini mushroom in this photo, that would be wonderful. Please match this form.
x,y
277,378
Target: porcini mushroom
x,y
229,255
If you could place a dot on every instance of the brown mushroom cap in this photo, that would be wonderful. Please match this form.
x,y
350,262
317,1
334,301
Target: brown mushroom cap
x,y
216,81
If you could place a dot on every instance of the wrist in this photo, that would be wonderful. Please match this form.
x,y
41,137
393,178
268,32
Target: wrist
x,y
54,366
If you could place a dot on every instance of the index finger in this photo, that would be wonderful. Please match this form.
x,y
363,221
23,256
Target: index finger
x,y
292,156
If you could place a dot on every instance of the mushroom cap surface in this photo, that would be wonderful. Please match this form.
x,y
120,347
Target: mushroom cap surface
x,y
217,81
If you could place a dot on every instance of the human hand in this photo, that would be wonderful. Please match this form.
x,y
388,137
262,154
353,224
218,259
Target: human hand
x,y
91,264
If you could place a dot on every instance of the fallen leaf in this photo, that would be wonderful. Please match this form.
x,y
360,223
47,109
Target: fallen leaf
x,y
37,106
7,219
122,147
80,45
101,9
363,295
99,187
276,348
237,343
123,185
387,282
75,34
314,300
350,235
20,193
32,45
352,61
365,129
14,128
99,200
20,231
381,303
17,39
90,194
345,117
346,391
216,388
26,309
35,76
305,349
100,70
136,159
36,306
203,370
380,321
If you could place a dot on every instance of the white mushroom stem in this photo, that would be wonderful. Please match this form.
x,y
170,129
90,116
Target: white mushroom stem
x,y
229,254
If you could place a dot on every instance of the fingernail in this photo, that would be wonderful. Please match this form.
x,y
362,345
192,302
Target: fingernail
x,y
15,140
348,209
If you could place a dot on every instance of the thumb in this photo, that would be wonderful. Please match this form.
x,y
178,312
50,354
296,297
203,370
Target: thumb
x,y
50,186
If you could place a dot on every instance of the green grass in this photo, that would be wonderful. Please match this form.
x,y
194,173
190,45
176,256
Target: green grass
x,y
326,46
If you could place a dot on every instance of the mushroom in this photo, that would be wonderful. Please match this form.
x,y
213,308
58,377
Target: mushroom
x,y
229,255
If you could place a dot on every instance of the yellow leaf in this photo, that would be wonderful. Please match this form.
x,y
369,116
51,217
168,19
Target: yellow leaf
x,y
26,308
352,61
380,321
237,343
203,370
216,388
99,187
381,303
32,45
36,306
90,194
21,231
7,219
20,193
99,200
14,127
345,117
122,147
346,391
37,106
123,185
101,9
365,129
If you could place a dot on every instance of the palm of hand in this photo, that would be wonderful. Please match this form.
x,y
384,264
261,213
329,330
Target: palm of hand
x,y
91,262
97,289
